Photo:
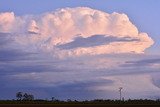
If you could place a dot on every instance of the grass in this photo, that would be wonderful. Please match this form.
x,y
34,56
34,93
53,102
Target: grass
x,y
91,102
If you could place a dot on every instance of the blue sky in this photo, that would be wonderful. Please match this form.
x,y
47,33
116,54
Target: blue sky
x,y
72,58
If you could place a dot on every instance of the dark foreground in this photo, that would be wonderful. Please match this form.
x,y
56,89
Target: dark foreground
x,y
93,103
79,105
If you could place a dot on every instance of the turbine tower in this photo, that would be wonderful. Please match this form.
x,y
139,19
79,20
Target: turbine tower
x,y
120,93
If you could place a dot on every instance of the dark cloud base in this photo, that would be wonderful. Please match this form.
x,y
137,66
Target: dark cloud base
x,y
94,40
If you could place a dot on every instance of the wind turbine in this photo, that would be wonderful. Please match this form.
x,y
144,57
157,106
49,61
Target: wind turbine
x,y
120,93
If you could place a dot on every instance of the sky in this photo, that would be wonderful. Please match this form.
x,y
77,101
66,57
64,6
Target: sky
x,y
83,49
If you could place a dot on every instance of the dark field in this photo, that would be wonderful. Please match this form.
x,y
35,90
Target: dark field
x,y
79,105
94,103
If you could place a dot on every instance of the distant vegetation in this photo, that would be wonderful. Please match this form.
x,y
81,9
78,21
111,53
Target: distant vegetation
x,y
25,98
98,101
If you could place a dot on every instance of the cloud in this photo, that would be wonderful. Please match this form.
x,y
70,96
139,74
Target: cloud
x,y
4,39
97,52
145,62
6,21
33,28
62,27
10,51
95,40
152,63
143,85
87,87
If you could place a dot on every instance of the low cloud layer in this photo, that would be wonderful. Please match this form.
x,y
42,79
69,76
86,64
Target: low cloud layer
x,y
62,27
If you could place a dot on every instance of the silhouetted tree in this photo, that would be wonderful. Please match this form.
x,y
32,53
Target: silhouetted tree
x,y
25,96
69,100
19,95
53,98
28,96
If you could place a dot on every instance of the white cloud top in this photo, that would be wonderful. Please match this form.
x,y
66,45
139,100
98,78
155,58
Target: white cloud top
x,y
6,21
51,30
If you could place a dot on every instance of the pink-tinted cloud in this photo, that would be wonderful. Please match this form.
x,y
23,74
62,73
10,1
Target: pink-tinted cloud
x,y
48,30
6,21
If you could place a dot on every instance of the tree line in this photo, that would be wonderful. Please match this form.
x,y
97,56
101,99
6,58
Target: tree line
x,y
24,96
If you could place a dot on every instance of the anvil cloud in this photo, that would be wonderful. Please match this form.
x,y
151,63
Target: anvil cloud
x,y
78,53
50,31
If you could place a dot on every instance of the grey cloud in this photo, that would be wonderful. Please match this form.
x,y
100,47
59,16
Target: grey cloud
x,y
30,32
28,64
83,90
14,59
156,82
94,40
144,62
13,55
5,38
8,52
77,90
13,69
156,79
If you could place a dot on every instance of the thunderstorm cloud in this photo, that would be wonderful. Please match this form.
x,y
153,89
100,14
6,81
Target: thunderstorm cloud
x,y
78,53
51,31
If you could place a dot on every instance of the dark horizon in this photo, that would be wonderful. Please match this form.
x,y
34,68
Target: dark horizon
x,y
81,49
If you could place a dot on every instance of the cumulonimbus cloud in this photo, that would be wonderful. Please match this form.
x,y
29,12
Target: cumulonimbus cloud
x,y
50,30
